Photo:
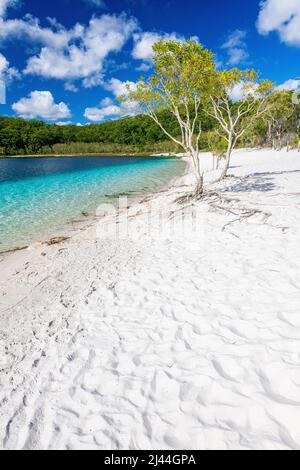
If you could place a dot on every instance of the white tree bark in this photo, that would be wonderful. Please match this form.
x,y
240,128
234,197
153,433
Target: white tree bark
x,y
231,124
190,137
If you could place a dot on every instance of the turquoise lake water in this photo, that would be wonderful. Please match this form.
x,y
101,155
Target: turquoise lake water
x,y
39,196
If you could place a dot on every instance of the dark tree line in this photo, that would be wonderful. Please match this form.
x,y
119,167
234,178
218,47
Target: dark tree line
x,y
18,136
21,137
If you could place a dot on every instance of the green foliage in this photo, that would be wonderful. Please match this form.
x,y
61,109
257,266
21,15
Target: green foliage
x,y
127,135
279,125
82,148
186,100
235,118
183,73
282,120
130,135
212,141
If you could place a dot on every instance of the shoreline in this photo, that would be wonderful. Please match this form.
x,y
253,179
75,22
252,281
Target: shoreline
x,y
100,155
183,335
68,230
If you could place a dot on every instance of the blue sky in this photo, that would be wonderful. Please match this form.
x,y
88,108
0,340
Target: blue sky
x,y
68,60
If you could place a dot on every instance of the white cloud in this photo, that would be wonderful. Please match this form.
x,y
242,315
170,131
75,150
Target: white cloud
x,y
71,87
6,72
68,123
64,123
5,4
236,48
96,3
30,29
282,16
84,58
240,91
79,53
41,104
118,88
107,109
95,79
143,46
3,64
237,93
144,67
70,54
289,85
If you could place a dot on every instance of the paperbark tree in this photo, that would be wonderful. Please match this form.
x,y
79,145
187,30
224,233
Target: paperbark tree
x,y
217,147
183,73
281,119
235,115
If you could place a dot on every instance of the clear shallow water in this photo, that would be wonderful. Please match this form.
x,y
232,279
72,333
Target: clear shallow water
x,y
38,196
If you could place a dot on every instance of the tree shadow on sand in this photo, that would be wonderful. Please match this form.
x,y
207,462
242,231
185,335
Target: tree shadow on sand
x,y
260,182
270,173
251,184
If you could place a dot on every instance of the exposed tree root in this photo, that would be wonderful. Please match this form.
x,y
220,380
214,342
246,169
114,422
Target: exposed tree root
x,y
231,205
247,214
228,205
198,194
192,196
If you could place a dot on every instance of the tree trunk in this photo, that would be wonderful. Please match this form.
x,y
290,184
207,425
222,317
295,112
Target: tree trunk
x,y
199,176
199,189
227,161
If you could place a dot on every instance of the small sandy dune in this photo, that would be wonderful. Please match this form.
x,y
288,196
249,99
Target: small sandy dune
x,y
182,336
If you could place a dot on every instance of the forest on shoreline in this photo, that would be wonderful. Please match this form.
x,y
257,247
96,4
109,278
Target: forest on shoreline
x,y
140,135
129,135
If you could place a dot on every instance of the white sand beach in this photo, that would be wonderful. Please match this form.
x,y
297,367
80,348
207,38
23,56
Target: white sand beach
x,y
184,334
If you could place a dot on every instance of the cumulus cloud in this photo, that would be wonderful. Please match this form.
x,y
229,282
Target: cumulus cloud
x,y
237,93
70,54
29,28
95,79
236,47
7,73
71,87
289,85
81,53
64,123
240,91
96,3
282,16
5,4
118,88
108,109
68,123
41,104
3,64
84,58
143,46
